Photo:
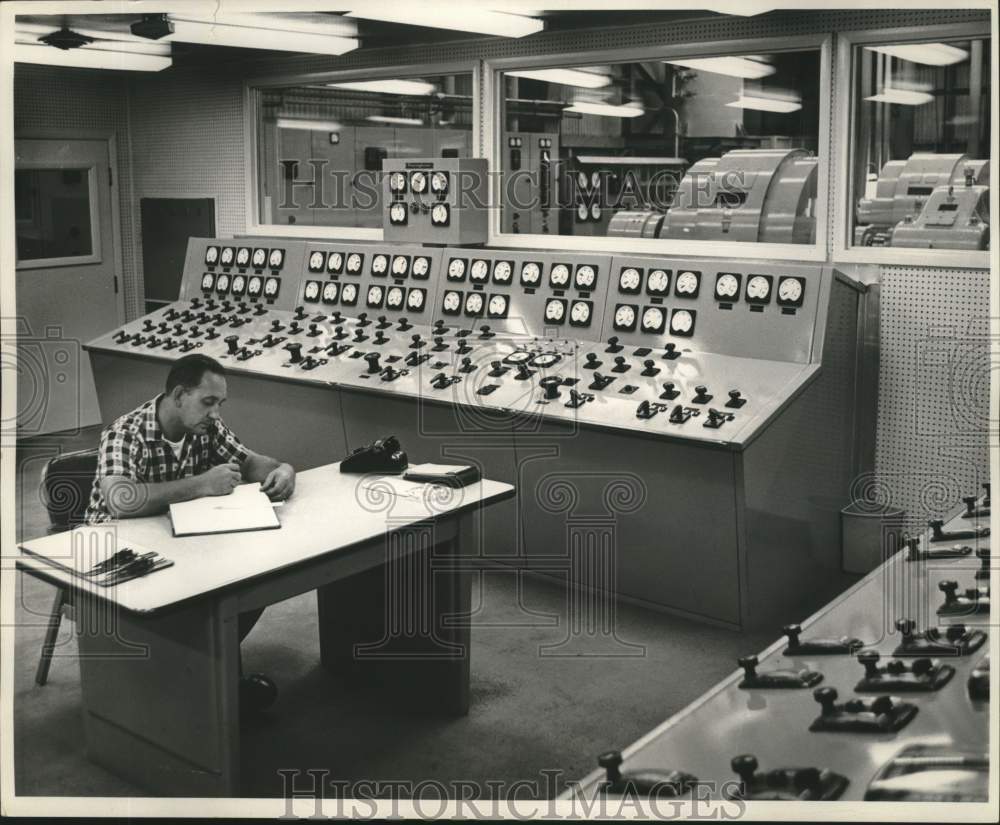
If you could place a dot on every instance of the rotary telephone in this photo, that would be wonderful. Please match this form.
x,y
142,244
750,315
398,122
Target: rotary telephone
x,y
382,456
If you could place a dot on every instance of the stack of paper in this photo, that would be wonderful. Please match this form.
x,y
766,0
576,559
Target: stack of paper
x,y
246,508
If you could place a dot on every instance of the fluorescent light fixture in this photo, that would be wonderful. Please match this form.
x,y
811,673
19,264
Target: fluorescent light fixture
x,y
467,18
629,160
584,107
248,37
930,54
308,125
565,77
87,57
766,104
31,38
398,121
732,66
309,23
903,97
387,87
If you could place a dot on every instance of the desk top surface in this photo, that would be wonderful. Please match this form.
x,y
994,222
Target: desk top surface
x,y
329,512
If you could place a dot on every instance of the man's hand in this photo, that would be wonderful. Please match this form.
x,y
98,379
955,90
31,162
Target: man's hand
x,y
222,479
280,482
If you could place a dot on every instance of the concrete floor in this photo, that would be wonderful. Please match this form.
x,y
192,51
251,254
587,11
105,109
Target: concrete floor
x,y
531,713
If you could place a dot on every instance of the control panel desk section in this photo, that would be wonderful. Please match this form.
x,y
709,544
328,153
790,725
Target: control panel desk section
x,y
159,656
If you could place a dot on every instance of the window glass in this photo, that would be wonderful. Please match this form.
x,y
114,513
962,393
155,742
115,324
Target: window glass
x,y
921,142
321,146
710,148
52,213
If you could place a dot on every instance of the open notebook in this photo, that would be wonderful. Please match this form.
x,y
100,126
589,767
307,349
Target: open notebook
x,y
246,508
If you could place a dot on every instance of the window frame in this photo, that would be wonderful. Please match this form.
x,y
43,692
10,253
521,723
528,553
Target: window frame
x,y
844,249
251,138
493,106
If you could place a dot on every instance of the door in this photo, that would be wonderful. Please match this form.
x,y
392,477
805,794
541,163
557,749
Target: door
x,y
67,285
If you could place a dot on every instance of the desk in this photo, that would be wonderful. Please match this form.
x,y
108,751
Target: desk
x,y
159,656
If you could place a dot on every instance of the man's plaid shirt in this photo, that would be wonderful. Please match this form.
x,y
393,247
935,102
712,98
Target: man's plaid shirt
x,y
134,447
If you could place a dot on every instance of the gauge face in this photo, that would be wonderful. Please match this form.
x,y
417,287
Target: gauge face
x,y
397,182
530,274
211,255
629,279
421,267
276,259
374,297
579,313
222,283
207,281
311,292
473,303
335,262
259,257
242,256
271,287
380,263
759,289
497,307
439,182
397,213
555,310
559,276
418,181
595,212
687,284
354,262
517,357
727,285
502,272
316,262
544,360
349,294
479,271
653,320
254,286
581,179
582,212
682,322
330,292
228,253
400,265
452,302
456,269
657,282
415,299
394,297
624,317
440,214
790,291
239,284
585,277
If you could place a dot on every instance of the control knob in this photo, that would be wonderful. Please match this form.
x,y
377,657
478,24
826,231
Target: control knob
x,y
313,330
404,325
670,392
649,368
551,384
259,310
379,337
363,319
231,342
295,350
701,395
417,341
196,302
592,362
484,331
300,313
147,326
613,345
338,333
276,325
373,363
670,351
383,322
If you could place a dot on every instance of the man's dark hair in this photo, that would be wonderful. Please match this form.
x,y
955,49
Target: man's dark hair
x,y
188,371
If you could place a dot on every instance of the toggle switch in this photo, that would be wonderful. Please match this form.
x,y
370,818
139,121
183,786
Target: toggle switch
x,y
171,314
196,302
338,333
467,365
485,332
147,325
439,327
359,334
260,309
497,369
600,381
210,333
294,328
120,337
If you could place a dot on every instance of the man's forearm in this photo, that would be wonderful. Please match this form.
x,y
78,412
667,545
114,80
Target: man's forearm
x,y
257,467
127,498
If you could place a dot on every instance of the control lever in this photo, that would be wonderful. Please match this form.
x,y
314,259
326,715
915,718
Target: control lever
x,y
439,327
648,410
613,345
551,384
680,414
467,365
244,308
497,369
701,395
983,554
231,342
373,363
817,647
974,601
300,313
463,348
783,679
404,325
670,351
210,333
716,418
363,320
670,392
922,675
338,333
418,342
439,344
578,399
736,400
195,302
359,334
314,330
209,304
883,714
600,381
523,372
163,328
147,325
591,363
914,553
379,338
310,363
296,352
649,368
643,782
178,329
194,333
152,342
121,336
784,784
276,325
938,533
171,314
621,365
953,640
294,328
484,331
260,309
974,508
383,322
414,359
441,381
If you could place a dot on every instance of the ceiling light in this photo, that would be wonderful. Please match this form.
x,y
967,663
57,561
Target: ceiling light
x,y
152,26
465,19
606,109
90,58
733,66
310,23
249,37
30,35
629,160
398,121
904,97
65,39
930,54
565,77
766,104
387,87
308,125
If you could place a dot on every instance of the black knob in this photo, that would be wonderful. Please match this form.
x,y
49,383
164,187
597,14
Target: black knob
x,y
523,372
619,360
869,658
337,317
906,627
613,341
649,364
380,337
735,395
882,704
439,325
670,350
300,312
496,365
936,524
383,322
827,697
922,666
363,320
231,341
466,362
359,334
591,357
970,503
314,329
260,310
955,632
196,302
147,325
244,308
792,631
611,761
373,364
416,338
551,384
701,391
163,327
178,329
745,767
404,324
338,332
948,587
296,352
749,665
276,325
668,388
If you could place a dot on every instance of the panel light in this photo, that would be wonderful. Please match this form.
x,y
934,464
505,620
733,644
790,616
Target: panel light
x,y
248,37
387,87
565,77
308,125
766,104
606,109
732,66
930,54
398,121
465,19
903,97
87,57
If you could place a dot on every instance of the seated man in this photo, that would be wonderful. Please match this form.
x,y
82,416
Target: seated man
x,y
175,447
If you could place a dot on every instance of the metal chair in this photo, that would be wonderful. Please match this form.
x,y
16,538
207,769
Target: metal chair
x,y
66,483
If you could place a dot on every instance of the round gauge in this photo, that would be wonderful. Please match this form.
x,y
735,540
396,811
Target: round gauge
x,y
394,298
421,266
349,294
418,181
652,320
277,258
222,283
595,211
628,280
790,290
498,305
380,263
439,182
581,211
585,277
254,286
316,262
242,256
259,257
727,286
559,276
456,269
354,262
479,271
397,213
473,303
581,179
758,288
502,272
452,301
625,317
415,300
227,256
399,265
681,322
580,312
335,261
658,282
207,280
271,286
439,214
687,283
555,310
530,273
312,290
374,295
239,284
330,292
211,255
544,360
517,357
397,182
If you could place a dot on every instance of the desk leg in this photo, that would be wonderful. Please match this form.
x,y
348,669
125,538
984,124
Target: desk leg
x,y
160,695
386,627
